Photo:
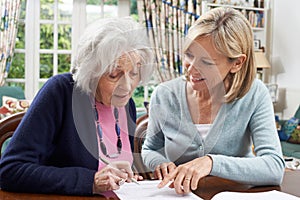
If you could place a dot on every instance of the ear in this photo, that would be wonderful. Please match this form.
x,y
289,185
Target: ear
x,y
238,63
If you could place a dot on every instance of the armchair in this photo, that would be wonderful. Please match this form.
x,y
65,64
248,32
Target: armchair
x,y
140,134
290,149
7,127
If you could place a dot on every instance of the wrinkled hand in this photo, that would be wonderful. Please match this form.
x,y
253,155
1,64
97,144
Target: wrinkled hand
x,y
164,169
112,176
186,176
138,177
124,166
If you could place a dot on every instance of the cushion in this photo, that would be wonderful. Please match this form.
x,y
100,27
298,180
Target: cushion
x,y
290,125
11,91
295,136
13,105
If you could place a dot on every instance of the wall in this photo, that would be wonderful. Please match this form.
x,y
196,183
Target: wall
x,y
284,54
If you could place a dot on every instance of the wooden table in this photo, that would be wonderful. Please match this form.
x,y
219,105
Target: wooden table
x,y
208,187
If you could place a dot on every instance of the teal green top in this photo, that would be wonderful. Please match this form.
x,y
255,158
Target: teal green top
x,y
172,136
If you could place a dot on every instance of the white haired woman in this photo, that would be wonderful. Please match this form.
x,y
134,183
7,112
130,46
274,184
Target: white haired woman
x,y
83,120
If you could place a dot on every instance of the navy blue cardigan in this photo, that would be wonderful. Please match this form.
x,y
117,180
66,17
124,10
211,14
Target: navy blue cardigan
x,y
54,149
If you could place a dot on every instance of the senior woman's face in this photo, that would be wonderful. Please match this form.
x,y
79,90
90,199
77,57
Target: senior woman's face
x,y
115,88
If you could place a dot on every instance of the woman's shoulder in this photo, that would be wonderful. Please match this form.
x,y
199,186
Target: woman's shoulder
x,y
258,86
59,84
59,81
169,91
257,93
62,78
173,84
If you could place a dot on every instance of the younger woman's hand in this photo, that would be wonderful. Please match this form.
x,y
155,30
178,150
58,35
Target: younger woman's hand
x,y
186,176
164,169
138,177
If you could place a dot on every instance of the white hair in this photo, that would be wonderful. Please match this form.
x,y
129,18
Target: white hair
x,y
102,43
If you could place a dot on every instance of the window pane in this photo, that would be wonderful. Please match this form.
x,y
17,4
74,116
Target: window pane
x,y
64,37
17,68
111,10
65,10
93,2
20,40
111,2
134,10
23,9
64,63
94,9
47,8
14,84
46,65
138,96
41,84
46,36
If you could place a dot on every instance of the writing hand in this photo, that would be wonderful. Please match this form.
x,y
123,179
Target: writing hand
x,y
109,178
124,166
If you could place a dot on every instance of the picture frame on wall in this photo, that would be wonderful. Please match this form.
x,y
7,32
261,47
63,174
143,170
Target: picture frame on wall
x,y
256,44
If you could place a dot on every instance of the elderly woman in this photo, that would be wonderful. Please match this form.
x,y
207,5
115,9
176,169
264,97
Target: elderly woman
x,y
213,117
83,120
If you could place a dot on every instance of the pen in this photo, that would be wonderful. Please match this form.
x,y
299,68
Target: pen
x,y
107,162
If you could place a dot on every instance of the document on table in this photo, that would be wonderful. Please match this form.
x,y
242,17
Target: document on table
x,y
274,195
148,190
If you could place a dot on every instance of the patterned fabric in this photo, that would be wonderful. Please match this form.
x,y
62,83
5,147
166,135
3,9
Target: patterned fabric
x,y
12,105
290,125
295,136
10,11
167,23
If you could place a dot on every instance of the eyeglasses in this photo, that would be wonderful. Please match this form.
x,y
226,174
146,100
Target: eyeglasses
x,y
100,134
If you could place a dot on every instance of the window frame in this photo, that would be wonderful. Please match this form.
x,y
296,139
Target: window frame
x,y
32,40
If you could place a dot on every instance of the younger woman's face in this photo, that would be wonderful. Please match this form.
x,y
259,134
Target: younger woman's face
x,y
206,67
116,87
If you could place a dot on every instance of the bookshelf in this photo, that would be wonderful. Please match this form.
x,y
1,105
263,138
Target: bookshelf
x,y
257,12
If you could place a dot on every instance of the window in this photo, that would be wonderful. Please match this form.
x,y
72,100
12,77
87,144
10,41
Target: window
x,y
43,45
47,31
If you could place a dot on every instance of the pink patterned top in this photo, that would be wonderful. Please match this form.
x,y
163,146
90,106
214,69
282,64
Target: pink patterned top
x,y
107,122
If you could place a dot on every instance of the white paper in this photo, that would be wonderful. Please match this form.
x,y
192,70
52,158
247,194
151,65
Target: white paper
x,y
274,195
148,190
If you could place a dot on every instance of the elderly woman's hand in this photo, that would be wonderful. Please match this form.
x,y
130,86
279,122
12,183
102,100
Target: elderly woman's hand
x,y
125,167
164,169
186,176
112,176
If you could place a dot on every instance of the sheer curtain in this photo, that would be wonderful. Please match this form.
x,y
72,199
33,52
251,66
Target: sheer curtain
x,y
167,22
9,10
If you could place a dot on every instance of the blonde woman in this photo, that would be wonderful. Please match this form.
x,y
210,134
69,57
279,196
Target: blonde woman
x,y
206,123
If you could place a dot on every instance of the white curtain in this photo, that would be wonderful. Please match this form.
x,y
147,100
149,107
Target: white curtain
x,y
167,22
10,11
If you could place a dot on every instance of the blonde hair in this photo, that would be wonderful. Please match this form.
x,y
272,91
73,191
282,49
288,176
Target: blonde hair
x,y
232,36
102,43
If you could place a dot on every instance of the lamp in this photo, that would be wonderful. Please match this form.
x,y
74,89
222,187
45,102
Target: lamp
x,y
260,60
